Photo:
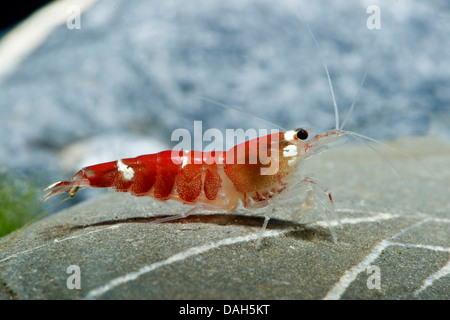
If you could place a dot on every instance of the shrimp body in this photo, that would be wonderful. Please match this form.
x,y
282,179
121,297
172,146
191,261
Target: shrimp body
x,y
210,180
217,178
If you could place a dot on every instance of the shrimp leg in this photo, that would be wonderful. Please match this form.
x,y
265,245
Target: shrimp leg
x,y
324,203
317,198
197,207
177,216
266,221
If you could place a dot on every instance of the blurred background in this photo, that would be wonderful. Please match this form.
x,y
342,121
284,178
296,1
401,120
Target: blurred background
x,y
83,82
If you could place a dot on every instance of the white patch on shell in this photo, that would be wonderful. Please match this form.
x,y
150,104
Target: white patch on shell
x,y
289,135
127,172
185,158
185,161
290,151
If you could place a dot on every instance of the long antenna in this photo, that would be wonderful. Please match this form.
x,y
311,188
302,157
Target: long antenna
x,y
354,100
336,112
240,110
357,135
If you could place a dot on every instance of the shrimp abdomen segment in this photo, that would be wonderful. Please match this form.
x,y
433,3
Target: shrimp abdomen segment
x,y
164,175
135,175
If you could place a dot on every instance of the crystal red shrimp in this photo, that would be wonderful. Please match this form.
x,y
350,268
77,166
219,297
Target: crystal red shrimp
x,y
205,180
192,178
180,175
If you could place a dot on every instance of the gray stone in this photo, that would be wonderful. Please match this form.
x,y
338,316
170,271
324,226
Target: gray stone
x,y
396,223
136,69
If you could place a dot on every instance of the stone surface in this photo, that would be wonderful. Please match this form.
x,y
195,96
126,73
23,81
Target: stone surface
x,y
396,223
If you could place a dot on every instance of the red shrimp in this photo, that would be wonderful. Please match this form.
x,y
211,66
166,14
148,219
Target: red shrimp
x,y
207,181
195,177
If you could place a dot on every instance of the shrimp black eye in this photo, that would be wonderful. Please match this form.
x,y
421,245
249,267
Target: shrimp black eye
x,y
302,134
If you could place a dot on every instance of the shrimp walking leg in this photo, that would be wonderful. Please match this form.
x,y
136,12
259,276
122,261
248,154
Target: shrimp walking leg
x,y
176,217
318,198
266,221
198,207
323,200
268,207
